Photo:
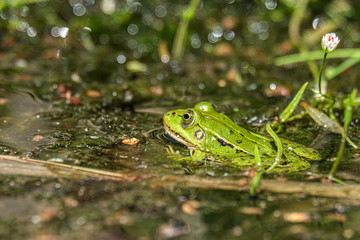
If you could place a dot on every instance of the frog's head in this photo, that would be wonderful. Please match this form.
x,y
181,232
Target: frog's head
x,y
183,124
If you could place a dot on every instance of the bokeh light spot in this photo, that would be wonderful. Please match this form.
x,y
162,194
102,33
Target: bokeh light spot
x,y
31,32
132,29
79,9
121,59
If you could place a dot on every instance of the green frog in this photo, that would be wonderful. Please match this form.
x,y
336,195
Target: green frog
x,y
212,135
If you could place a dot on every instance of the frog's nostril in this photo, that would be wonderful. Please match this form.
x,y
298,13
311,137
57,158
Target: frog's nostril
x,y
173,113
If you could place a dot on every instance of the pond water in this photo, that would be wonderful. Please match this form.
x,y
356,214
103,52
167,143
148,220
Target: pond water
x,y
83,152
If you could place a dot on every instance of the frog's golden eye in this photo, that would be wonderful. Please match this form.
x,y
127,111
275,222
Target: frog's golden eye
x,y
188,119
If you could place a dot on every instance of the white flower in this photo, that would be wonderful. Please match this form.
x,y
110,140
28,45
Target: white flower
x,y
329,42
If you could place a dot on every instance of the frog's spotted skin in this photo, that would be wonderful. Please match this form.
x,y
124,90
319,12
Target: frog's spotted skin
x,y
213,135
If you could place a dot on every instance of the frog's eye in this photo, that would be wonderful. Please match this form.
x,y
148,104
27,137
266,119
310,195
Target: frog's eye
x,y
188,119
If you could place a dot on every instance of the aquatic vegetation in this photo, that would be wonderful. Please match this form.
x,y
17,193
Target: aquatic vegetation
x,y
181,32
329,43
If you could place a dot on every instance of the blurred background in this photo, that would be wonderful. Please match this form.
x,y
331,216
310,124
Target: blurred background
x,y
85,83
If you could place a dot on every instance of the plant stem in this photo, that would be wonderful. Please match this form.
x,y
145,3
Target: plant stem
x,y
347,120
179,41
338,158
323,95
320,74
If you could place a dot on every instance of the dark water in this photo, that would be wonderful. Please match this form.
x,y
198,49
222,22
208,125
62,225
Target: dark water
x,y
82,78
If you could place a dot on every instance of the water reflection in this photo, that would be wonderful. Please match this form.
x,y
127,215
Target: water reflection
x,y
21,128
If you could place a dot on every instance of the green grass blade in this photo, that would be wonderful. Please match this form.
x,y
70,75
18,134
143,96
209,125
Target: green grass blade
x,y
317,55
284,116
257,159
181,32
278,145
330,73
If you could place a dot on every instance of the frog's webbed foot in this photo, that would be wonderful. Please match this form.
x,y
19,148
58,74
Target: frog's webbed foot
x,y
293,166
194,157
170,150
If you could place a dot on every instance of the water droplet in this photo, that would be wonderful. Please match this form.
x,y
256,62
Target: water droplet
x,y
132,29
79,9
108,6
160,11
315,23
196,43
22,26
212,38
55,31
88,2
31,32
64,32
165,58
264,35
35,219
24,11
123,220
229,35
270,4
218,31
121,59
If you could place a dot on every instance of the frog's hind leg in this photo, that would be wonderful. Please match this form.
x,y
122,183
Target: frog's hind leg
x,y
300,150
291,162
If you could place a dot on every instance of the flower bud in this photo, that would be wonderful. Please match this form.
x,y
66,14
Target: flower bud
x,y
329,42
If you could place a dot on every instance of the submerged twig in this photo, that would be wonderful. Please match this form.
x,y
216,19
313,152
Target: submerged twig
x,y
289,187
54,169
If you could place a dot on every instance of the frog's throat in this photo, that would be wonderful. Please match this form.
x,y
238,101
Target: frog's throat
x,y
178,137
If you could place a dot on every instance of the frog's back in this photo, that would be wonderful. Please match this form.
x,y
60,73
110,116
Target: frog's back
x,y
232,138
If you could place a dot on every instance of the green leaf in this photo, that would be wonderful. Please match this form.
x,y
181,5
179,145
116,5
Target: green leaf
x,y
322,119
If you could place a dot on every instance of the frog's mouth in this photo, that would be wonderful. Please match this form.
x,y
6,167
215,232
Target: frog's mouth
x,y
178,137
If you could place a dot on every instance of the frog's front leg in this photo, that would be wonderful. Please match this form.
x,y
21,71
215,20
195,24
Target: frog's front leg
x,y
197,155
